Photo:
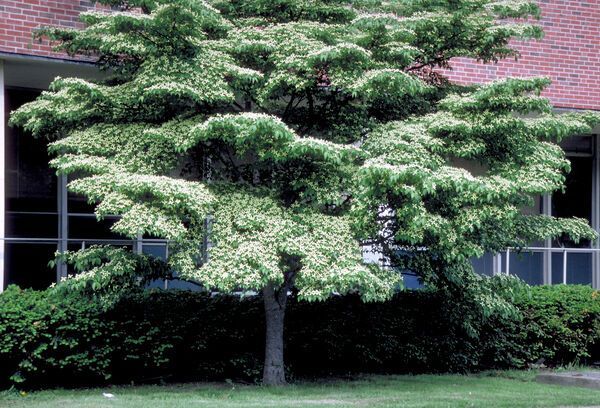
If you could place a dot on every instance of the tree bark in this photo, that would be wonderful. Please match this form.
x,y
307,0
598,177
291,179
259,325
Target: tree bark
x,y
275,302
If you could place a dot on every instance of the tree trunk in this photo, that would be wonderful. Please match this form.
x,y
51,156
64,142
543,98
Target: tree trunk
x,y
275,302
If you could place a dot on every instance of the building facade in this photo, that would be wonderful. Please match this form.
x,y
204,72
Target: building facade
x,y
569,54
38,216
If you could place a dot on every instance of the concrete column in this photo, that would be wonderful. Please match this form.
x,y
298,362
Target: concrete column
x,y
497,264
138,244
2,175
547,257
596,212
63,225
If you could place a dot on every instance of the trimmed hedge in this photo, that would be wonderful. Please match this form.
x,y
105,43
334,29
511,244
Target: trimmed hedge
x,y
563,324
181,335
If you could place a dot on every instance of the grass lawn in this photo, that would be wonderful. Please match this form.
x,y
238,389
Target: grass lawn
x,y
502,389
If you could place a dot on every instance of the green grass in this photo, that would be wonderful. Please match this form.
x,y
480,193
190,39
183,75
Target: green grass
x,y
502,389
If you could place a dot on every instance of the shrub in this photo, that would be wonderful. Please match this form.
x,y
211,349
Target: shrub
x,y
46,339
49,339
187,335
562,323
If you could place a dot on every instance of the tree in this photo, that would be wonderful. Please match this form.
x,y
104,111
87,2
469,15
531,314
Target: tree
x,y
293,133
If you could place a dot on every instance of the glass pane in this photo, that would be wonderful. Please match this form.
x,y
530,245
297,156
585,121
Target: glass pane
x,y
27,264
536,207
87,227
579,269
578,144
411,281
557,268
576,201
158,284
183,285
30,183
31,225
79,204
484,265
528,266
160,251
156,250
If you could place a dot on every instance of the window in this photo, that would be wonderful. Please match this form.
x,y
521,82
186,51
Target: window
x,y
31,218
562,260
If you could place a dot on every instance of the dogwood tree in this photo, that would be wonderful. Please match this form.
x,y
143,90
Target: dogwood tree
x,y
293,133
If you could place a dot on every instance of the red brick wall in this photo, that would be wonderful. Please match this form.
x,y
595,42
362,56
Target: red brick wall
x,y
18,19
569,53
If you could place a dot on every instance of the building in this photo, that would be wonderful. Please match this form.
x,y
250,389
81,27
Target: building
x,y
569,54
38,216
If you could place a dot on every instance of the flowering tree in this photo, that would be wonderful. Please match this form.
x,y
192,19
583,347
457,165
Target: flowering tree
x,y
292,133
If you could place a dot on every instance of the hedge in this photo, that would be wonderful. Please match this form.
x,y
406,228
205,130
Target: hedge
x,y
151,336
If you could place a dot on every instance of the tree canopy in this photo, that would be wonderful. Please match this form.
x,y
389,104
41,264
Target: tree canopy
x,y
305,131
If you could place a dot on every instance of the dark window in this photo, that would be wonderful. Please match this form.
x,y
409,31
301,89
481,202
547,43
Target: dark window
x,y
583,145
88,227
31,225
576,200
26,264
484,265
30,182
79,204
31,203
579,268
529,266
156,250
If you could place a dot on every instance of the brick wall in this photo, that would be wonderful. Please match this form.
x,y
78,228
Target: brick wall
x,y
18,19
569,53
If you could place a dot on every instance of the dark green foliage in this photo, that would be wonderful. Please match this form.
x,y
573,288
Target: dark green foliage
x,y
328,129
50,339
563,323
181,335
207,337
